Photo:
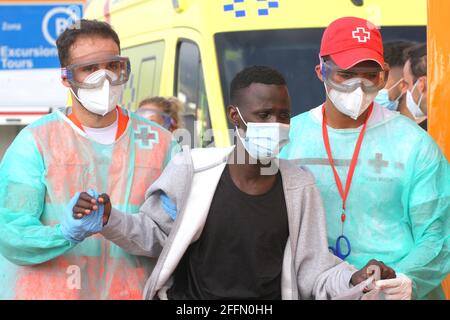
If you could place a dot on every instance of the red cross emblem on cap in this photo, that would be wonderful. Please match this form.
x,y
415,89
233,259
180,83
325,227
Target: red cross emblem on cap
x,y
361,34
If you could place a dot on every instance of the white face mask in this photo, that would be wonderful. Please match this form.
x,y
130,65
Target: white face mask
x,y
354,103
103,99
263,141
412,106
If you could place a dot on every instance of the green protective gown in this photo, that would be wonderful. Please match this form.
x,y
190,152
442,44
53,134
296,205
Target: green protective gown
x,y
48,162
398,205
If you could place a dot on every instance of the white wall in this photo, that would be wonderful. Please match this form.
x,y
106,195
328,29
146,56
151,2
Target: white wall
x,y
32,89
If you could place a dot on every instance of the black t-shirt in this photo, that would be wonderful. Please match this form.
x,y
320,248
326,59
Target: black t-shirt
x,y
424,124
239,254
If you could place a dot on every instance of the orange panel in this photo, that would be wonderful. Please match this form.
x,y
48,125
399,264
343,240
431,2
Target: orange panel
x,y
439,80
439,72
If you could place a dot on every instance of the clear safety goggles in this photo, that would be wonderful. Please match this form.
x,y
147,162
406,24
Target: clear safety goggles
x,y
148,113
77,73
369,79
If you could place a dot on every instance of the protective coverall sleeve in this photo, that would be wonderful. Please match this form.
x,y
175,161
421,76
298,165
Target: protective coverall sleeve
x,y
142,234
24,239
427,199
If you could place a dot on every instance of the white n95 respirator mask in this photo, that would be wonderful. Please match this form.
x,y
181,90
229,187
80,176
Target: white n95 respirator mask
x,y
353,103
102,99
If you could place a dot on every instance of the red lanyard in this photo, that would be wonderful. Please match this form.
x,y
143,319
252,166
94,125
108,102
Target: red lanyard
x,y
353,163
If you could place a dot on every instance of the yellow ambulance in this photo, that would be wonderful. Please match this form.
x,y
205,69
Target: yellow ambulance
x,y
193,48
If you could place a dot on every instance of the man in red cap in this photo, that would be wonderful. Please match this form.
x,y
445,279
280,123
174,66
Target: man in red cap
x,y
383,180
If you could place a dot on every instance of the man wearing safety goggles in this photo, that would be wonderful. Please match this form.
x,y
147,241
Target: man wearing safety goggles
x,y
383,180
96,82
92,144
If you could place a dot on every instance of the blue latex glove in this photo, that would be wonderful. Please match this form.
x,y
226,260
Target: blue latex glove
x,y
168,205
76,230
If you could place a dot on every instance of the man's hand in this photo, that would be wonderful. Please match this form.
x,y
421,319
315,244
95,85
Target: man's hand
x,y
365,273
79,222
87,204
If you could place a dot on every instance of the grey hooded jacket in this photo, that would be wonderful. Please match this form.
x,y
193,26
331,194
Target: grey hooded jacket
x,y
309,270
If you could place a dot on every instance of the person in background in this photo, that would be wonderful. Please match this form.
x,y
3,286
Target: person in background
x,y
392,96
415,76
168,112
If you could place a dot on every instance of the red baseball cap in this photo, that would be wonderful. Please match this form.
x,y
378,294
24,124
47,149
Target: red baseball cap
x,y
350,40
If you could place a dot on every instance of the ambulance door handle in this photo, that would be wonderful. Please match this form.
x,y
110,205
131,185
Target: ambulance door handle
x,y
13,120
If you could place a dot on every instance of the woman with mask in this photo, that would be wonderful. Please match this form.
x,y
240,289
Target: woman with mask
x,y
167,112
241,224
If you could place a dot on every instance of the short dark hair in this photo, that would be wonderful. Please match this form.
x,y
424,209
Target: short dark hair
x,y
80,28
418,58
394,52
254,74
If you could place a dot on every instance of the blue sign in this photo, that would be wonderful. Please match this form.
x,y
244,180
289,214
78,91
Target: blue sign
x,y
28,34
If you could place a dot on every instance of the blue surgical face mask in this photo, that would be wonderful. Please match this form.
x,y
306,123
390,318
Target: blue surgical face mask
x,y
412,106
263,141
383,98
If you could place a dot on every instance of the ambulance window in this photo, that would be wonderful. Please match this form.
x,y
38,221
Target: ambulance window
x,y
293,52
146,69
147,74
190,89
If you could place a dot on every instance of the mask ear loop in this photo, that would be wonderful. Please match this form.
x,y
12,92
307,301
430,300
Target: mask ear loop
x,y
421,95
399,97
420,101
393,86
76,96
240,115
236,127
